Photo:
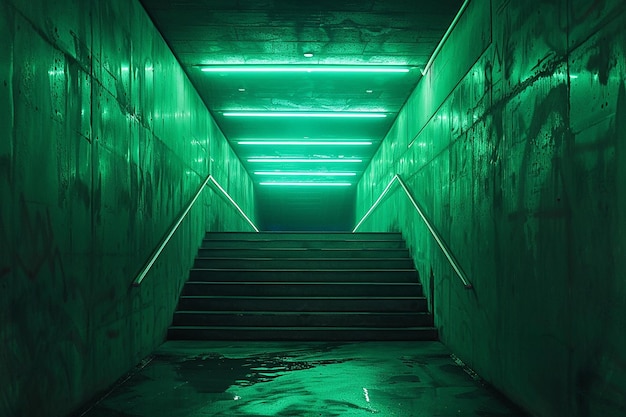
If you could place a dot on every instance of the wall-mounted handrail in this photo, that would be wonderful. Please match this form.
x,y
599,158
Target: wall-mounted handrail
x,y
446,35
440,242
144,271
219,187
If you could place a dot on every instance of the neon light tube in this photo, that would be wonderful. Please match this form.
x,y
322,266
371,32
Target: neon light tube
x,y
307,184
303,161
306,174
302,143
308,69
306,114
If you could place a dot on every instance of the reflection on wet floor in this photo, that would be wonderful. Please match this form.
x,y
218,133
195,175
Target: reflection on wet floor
x,y
193,379
242,372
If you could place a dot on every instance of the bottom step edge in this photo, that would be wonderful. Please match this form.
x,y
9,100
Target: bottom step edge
x,y
328,328
330,334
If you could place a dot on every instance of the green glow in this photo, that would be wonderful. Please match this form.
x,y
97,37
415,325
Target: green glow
x,y
306,114
305,174
309,69
302,160
303,143
307,184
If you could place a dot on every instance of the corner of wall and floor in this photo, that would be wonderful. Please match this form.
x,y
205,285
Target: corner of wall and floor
x,y
514,144
103,141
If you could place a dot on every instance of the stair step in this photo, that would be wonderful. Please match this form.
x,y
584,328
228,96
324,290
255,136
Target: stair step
x,y
300,243
301,333
303,286
319,289
301,275
315,263
294,253
325,236
302,319
243,303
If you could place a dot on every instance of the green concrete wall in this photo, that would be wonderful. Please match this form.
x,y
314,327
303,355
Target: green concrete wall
x,y
514,143
103,141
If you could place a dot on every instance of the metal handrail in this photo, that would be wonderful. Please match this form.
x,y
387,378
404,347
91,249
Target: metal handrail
x,y
144,271
445,37
214,181
440,242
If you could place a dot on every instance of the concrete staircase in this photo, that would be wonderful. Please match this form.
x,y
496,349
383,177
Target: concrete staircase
x,y
303,286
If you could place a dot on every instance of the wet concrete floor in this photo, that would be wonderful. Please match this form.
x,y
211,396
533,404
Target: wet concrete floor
x,y
193,379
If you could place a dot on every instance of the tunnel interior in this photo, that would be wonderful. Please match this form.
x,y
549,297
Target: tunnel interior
x,y
504,120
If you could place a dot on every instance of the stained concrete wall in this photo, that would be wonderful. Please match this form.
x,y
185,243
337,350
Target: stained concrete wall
x,y
103,141
514,143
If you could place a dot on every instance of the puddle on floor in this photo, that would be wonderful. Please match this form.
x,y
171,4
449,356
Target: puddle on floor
x,y
216,373
329,380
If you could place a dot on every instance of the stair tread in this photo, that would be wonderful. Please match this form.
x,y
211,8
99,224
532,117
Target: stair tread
x,y
284,283
300,328
341,242
247,258
308,237
286,313
273,249
295,239
303,232
306,270
252,297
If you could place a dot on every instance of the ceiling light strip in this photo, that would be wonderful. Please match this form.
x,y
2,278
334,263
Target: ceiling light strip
x,y
303,143
306,69
303,160
362,115
307,184
305,174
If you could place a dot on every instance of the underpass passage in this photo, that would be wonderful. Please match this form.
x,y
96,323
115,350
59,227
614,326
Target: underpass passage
x,y
505,121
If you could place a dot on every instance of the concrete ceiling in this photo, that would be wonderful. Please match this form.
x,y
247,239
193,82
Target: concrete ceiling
x,y
204,34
